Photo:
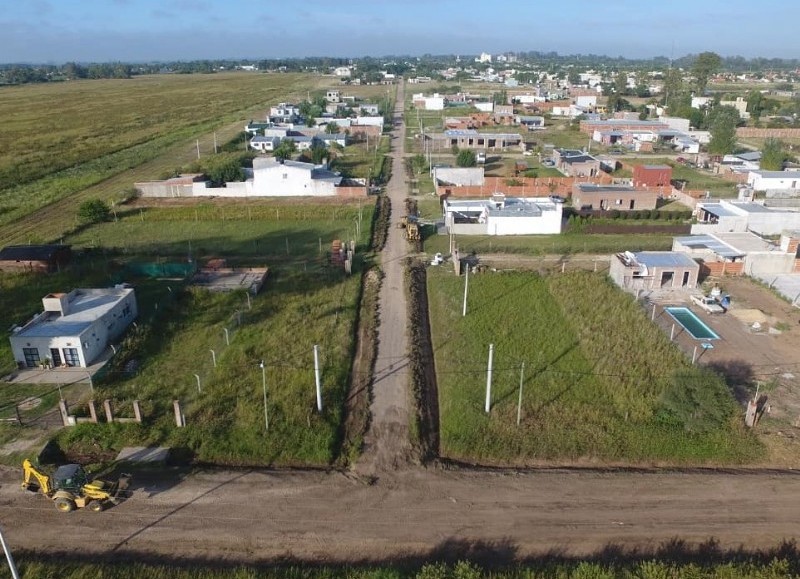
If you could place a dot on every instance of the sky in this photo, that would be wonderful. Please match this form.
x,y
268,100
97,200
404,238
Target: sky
x,y
57,31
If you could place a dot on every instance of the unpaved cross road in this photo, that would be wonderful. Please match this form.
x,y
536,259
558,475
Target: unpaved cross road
x,y
321,517
388,509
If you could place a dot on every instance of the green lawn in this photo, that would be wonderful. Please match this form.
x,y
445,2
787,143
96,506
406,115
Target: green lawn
x,y
601,381
696,179
563,244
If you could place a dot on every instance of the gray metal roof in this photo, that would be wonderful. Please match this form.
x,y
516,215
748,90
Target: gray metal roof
x,y
710,243
718,210
664,259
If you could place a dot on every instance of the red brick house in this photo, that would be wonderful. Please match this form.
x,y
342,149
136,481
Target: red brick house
x,y
652,176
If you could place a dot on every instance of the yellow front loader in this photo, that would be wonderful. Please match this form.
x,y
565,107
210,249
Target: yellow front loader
x,y
70,488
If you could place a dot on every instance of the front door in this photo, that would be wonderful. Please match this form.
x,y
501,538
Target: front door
x,y
55,355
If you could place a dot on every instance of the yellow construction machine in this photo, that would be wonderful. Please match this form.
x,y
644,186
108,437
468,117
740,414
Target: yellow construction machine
x,y
70,488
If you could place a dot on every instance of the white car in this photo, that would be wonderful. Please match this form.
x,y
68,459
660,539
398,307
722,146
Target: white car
x,y
708,304
438,259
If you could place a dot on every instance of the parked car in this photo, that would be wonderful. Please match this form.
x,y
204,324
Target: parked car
x,y
708,304
549,163
557,199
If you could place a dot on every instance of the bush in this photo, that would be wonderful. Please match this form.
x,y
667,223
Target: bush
x,y
466,158
93,211
614,214
645,214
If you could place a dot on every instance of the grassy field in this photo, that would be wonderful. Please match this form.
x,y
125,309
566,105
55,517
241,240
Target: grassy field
x,y
563,244
601,381
304,302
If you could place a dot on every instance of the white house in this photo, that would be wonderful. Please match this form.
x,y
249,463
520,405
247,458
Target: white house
x,y
740,216
74,328
773,180
292,178
701,102
586,101
501,215
264,144
430,103
369,121
342,71
484,107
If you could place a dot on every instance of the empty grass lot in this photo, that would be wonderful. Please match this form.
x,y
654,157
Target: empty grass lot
x,y
601,382
304,302
563,244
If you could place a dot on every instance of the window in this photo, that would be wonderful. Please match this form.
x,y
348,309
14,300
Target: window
x,y
31,357
71,357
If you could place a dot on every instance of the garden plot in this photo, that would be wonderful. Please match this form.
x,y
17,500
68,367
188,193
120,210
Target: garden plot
x,y
601,382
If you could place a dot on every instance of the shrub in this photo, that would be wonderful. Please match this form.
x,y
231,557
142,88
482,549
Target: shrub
x,y
614,214
645,214
466,158
93,211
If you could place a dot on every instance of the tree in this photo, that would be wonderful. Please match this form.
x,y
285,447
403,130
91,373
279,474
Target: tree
x,y
466,158
285,149
705,65
318,151
755,101
773,155
723,130
93,211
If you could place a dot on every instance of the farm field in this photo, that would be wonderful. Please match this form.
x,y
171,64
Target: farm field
x,y
304,302
99,128
601,383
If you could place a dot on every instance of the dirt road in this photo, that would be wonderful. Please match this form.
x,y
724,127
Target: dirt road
x,y
320,517
387,445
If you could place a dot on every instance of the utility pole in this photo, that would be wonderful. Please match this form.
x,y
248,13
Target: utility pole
x,y
215,142
489,380
197,376
213,357
197,142
317,378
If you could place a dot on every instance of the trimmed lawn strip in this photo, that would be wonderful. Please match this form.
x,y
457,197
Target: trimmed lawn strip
x,y
562,244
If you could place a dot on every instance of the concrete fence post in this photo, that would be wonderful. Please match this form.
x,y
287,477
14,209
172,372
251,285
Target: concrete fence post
x,y
62,407
92,412
108,410
137,411
180,420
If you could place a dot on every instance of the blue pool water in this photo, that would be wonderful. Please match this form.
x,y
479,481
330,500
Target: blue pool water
x,y
692,324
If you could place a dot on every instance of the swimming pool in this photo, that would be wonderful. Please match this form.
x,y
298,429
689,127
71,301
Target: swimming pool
x,y
692,324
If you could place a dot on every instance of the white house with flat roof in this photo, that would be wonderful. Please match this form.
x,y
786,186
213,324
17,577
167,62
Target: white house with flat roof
x,y
291,178
75,327
501,215
740,216
774,180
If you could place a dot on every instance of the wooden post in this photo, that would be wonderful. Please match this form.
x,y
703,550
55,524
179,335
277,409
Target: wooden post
x,y
109,412
92,412
137,411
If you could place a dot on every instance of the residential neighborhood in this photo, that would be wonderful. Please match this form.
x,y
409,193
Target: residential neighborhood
x,y
485,306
